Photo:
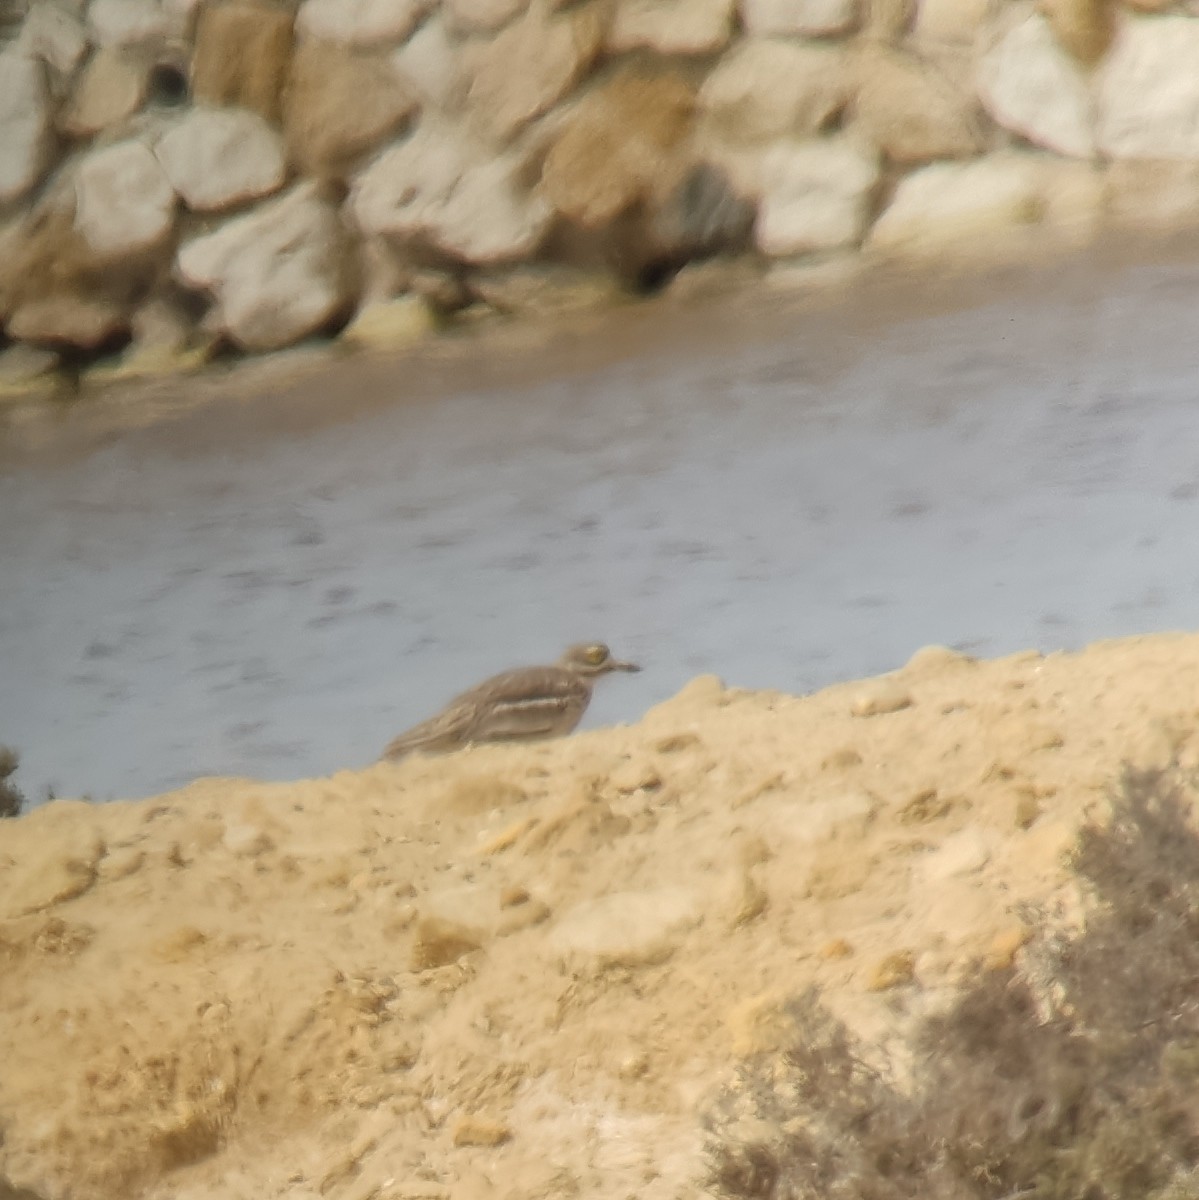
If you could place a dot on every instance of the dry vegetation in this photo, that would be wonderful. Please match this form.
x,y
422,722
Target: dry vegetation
x,y
11,800
1081,1089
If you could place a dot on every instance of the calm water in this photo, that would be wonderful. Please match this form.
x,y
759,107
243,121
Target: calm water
x,y
780,498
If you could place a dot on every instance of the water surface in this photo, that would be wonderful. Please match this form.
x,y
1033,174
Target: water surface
x,y
786,498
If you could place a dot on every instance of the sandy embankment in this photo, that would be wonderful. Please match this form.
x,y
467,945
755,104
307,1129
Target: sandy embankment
x,y
525,972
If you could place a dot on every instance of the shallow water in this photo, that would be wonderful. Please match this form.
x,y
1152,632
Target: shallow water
x,y
786,499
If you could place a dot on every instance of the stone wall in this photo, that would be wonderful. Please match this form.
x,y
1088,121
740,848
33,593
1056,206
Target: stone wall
x,y
179,177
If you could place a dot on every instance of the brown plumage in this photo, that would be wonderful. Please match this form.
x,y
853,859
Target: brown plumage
x,y
522,705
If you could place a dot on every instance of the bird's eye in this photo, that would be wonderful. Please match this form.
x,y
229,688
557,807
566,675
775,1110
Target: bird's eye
x,y
596,654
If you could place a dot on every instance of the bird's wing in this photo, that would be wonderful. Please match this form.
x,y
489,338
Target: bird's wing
x,y
445,731
532,702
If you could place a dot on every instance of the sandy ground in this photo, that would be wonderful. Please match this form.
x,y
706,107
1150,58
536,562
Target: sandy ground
x,y
526,972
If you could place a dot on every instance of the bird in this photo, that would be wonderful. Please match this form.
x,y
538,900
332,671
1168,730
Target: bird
x,y
525,704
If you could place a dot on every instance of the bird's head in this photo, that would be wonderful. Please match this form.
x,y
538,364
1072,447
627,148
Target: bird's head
x,y
593,658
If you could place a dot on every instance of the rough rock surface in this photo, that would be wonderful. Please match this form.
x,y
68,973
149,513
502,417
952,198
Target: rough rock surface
x,y
815,196
443,188
671,26
769,88
111,87
129,22
910,111
242,50
277,273
529,66
482,16
1148,91
341,104
124,202
1031,86
24,123
218,158
624,143
951,204
430,63
55,35
798,18
518,965
361,22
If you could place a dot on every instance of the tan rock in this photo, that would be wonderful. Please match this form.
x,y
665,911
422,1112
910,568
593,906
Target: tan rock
x,y
24,123
950,21
480,1131
340,104
543,288
218,158
767,88
482,16
1004,946
111,88
391,324
910,110
529,66
361,22
124,202
278,273
623,142
242,50
671,26
894,970
1151,193
439,942
798,18
1083,27
889,20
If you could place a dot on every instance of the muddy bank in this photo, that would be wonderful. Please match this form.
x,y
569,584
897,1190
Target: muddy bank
x,y
517,971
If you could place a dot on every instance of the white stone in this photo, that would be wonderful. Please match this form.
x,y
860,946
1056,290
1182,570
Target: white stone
x,y
440,186
814,196
429,61
276,272
24,124
216,158
125,22
671,26
1031,86
797,18
54,35
1148,90
360,22
948,204
768,88
124,203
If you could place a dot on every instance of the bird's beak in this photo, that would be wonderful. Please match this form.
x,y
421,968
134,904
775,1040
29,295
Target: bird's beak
x,y
617,665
